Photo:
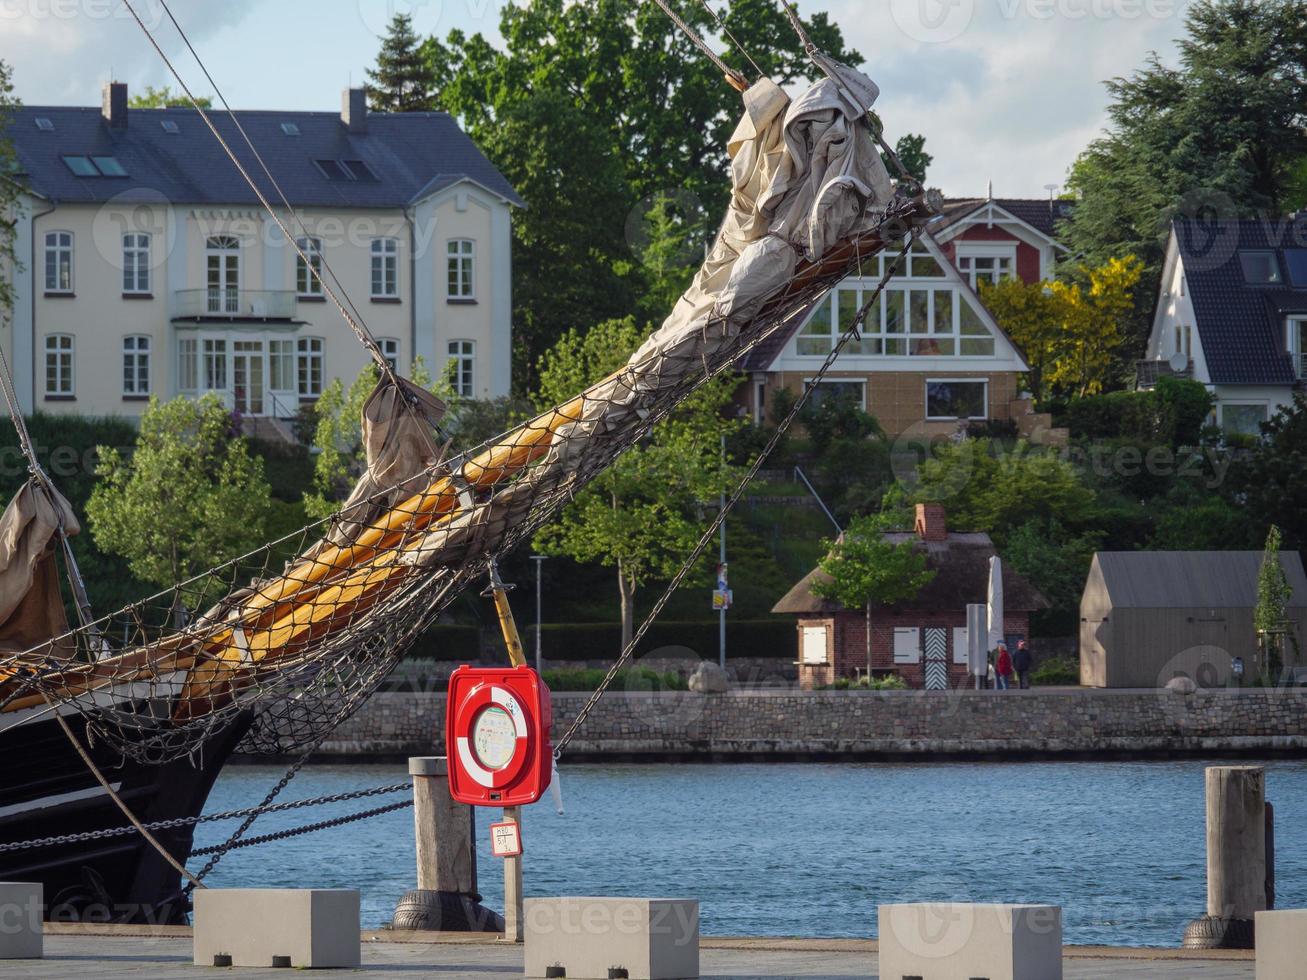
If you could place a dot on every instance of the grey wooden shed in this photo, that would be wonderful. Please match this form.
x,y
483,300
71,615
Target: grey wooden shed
x,y
1149,616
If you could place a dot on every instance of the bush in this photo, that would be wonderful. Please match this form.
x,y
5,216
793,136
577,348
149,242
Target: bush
x,y
603,641
1173,413
627,679
890,682
460,644
1056,670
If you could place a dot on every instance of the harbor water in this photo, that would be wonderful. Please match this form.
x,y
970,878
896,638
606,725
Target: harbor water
x,y
806,849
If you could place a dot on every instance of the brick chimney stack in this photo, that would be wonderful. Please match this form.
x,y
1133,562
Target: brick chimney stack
x,y
113,104
930,524
354,110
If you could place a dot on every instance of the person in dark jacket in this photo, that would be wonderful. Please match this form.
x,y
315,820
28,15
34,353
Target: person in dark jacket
x,y
1022,661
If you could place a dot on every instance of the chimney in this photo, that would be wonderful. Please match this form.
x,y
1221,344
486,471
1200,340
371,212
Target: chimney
x,y
930,522
113,104
354,109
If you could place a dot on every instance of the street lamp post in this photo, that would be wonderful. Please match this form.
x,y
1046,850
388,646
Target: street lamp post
x,y
539,560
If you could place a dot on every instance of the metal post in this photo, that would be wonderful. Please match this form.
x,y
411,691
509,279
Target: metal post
x,y
721,628
513,912
539,560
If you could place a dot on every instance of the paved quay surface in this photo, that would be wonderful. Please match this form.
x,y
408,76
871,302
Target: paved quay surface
x,y
82,953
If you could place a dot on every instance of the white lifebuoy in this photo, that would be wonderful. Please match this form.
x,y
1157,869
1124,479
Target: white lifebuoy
x,y
481,717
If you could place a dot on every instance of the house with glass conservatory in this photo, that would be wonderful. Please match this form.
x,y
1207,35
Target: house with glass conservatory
x,y
148,266
931,357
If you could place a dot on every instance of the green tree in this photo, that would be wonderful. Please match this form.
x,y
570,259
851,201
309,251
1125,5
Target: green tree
x,y
9,191
642,515
1270,616
911,151
187,498
1220,134
165,98
1056,561
1032,315
404,80
1266,482
864,569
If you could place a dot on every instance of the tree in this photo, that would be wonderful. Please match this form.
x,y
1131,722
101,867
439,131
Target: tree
x,y
1270,616
911,151
404,80
864,569
1222,133
9,191
1093,325
165,98
189,497
1033,316
1266,482
1057,562
641,515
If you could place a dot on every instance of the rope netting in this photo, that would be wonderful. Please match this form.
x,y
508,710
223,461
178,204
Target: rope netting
x,y
292,637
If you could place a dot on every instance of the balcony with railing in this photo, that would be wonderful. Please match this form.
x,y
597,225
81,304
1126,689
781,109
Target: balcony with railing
x,y
217,303
1148,372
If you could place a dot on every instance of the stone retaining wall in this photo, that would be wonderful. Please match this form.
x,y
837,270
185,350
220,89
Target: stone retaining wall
x,y
797,724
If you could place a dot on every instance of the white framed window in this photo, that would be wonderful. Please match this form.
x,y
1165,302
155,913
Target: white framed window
x,y
59,365
759,402
385,268
136,364
986,263
59,262
813,649
1296,344
932,319
222,274
281,365
136,263
1244,418
390,351
306,282
959,644
907,645
309,366
188,371
460,256
462,358
948,399
824,391
215,364
1184,335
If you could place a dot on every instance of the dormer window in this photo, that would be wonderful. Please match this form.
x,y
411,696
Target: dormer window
x,y
1260,268
1296,260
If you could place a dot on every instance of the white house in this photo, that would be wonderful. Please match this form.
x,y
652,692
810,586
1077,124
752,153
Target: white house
x,y
150,268
1232,314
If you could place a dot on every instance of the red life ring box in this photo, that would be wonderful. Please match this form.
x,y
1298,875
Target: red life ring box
x,y
497,722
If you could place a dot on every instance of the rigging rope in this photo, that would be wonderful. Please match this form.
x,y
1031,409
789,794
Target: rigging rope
x,y
734,77
710,532
721,24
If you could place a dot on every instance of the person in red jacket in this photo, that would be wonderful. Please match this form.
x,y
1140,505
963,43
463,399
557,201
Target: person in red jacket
x,y
1003,667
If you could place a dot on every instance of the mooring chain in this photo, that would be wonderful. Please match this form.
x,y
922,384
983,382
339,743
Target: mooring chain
x,y
206,818
852,333
306,829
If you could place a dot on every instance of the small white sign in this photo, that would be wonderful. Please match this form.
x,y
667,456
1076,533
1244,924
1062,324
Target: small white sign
x,y
505,839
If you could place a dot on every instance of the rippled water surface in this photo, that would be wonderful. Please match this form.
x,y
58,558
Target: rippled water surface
x,y
806,849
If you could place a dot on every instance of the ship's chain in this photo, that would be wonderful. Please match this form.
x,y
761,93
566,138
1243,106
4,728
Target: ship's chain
x,y
175,822
306,829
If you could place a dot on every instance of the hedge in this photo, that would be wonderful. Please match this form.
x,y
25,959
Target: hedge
x,y
461,644
603,641
1174,412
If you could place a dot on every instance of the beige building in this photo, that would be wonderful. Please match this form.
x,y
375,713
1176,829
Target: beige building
x,y
150,267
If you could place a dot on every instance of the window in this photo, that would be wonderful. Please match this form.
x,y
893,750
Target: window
x,y
907,645
136,365
59,365
460,253
44,124
306,282
816,338
814,645
390,351
1295,259
1183,339
187,369
81,166
59,262
281,365
385,268
309,366
290,129
461,357
1243,420
991,268
949,399
960,645
136,263
1259,268
830,391
223,271
215,365
169,126
109,166
358,170
1296,344
331,169
925,321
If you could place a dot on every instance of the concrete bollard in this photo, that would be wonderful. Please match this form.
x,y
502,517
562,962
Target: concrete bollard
x,y
1281,944
1236,859
600,938
265,927
962,941
21,936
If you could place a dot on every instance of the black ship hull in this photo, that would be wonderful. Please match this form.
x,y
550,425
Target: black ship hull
x,y
46,790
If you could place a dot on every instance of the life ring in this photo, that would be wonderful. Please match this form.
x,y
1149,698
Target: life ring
x,y
493,735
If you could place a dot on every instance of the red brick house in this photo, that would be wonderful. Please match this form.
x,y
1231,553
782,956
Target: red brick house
x,y
906,638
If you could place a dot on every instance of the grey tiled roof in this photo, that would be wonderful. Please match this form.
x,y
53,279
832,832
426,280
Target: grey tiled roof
x,y
1193,579
1040,213
408,152
1241,326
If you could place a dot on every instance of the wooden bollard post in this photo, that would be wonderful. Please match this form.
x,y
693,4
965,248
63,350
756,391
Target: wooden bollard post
x,y
513,914
1236,858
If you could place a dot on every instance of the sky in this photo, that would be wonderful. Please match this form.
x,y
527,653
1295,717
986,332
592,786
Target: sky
x,y
1007,91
